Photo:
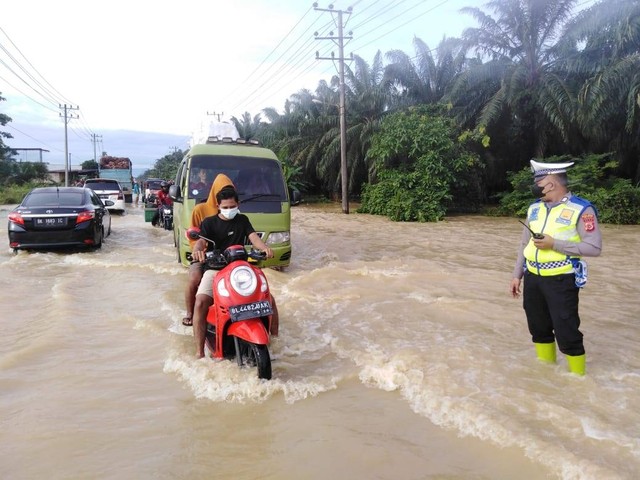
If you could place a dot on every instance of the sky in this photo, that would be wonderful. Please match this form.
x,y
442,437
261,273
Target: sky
x,y
146,75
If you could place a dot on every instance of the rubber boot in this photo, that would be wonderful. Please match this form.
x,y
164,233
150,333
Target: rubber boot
x,y
577,363
546,352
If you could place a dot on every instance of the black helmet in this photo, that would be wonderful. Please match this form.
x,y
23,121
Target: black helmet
x,y
164,185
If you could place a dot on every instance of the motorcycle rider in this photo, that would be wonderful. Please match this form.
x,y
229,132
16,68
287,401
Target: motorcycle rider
x,y
229,227
162,199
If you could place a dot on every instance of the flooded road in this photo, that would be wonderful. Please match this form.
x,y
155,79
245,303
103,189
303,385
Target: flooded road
x,y
401,355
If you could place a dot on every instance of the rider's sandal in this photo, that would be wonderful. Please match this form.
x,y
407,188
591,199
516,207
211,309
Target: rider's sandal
x,y
187,322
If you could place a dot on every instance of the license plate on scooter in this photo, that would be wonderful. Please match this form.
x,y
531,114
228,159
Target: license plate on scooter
x,y
250,310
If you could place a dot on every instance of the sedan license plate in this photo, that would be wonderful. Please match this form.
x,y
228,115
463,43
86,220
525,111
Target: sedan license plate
x,y
250,310
51,222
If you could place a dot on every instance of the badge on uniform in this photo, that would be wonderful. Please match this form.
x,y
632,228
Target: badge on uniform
x,y
589,220
565,216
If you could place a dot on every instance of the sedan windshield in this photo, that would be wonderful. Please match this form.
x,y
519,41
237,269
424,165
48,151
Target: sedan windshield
x,y
62,199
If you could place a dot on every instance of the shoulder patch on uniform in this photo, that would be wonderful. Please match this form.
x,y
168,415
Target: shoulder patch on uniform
x,y
589,220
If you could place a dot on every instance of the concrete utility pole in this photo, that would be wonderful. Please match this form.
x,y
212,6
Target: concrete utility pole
x,y
67,116
94,140
216,114
339,40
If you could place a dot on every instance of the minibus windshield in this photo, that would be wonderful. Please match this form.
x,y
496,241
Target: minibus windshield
x,y
256,179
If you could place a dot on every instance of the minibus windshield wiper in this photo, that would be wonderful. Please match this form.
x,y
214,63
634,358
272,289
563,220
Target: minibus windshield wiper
x,y
258,195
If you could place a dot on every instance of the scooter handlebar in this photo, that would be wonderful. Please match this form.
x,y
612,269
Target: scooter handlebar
x,y
257,255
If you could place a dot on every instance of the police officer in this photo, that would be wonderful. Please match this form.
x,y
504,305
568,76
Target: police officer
x,y
566,229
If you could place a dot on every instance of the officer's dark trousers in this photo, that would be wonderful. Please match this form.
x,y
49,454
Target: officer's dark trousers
x,y
551,305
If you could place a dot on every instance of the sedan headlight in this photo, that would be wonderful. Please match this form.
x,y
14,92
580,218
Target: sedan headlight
x,y
278,237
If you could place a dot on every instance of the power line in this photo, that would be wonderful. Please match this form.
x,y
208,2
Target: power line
x,y
273,82
270,53
34,68
33,138
412,19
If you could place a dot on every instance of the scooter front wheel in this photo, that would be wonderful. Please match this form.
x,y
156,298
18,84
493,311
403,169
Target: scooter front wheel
x,y
260,355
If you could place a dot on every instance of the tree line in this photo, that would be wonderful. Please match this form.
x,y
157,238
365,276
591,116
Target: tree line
x,y
449,128
452,128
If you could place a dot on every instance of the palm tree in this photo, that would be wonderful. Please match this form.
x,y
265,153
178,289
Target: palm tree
x,y
247,127
424,79
519,84
367,101
602,47
297,133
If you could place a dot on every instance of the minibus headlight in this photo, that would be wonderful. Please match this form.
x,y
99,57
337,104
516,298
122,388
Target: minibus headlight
x,y
278,237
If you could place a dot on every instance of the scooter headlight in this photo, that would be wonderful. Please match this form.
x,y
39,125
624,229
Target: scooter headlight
x,y
243,280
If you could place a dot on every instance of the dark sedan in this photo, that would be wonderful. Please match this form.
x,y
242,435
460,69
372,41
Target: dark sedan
x,y
59,217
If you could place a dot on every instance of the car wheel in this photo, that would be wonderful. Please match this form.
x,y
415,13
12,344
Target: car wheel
x,y
98,244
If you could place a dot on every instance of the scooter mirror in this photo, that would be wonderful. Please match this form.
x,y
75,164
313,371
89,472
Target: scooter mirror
x,y
193,233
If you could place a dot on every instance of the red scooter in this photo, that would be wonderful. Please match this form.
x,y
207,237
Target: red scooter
x,y
240,320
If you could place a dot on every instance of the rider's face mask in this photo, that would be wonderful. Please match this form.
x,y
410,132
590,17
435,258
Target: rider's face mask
x,y
229,213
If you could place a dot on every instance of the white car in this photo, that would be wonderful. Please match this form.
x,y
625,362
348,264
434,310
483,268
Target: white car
x,y
107,189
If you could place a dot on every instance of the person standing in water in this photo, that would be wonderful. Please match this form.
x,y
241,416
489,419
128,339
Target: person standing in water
x,y
561,228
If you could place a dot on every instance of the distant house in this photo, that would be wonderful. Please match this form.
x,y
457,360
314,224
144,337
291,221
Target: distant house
x,y
28,154
56,170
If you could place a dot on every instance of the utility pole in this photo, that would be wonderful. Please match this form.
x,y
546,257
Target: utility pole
x,y
94,140
216,114
339,40
67,116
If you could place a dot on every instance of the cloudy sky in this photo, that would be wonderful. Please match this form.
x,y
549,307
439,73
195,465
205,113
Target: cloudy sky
x,y
146,74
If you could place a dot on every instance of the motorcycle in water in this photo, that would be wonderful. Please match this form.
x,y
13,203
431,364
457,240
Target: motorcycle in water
x,y
240,319
166,217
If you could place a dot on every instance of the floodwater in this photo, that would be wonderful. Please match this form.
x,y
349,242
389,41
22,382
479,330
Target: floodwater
x,y
401,356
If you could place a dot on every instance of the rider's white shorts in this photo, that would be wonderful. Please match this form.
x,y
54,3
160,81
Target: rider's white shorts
x,y
206,284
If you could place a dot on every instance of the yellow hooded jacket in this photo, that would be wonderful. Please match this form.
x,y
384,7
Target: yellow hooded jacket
x,y
210,206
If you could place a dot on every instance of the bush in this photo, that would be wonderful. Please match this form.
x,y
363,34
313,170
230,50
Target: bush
x,y
422,168
15,193
593,178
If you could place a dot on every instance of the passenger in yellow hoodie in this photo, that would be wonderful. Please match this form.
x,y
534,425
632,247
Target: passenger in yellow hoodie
x,y
199,213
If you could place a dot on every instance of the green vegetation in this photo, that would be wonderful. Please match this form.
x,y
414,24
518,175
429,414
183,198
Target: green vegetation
x,y
440,130
422,168
592,177
165,167
533,79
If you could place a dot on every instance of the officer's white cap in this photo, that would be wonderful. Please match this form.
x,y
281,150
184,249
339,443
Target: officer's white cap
x,y
543,169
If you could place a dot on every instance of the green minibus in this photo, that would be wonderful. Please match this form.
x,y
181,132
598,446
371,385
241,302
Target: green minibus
x,y
258,177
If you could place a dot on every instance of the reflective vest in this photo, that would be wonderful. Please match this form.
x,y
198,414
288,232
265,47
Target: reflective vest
x,y
559,222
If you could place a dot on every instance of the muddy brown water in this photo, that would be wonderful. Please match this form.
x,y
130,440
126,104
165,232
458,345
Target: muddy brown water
x,y
401,355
